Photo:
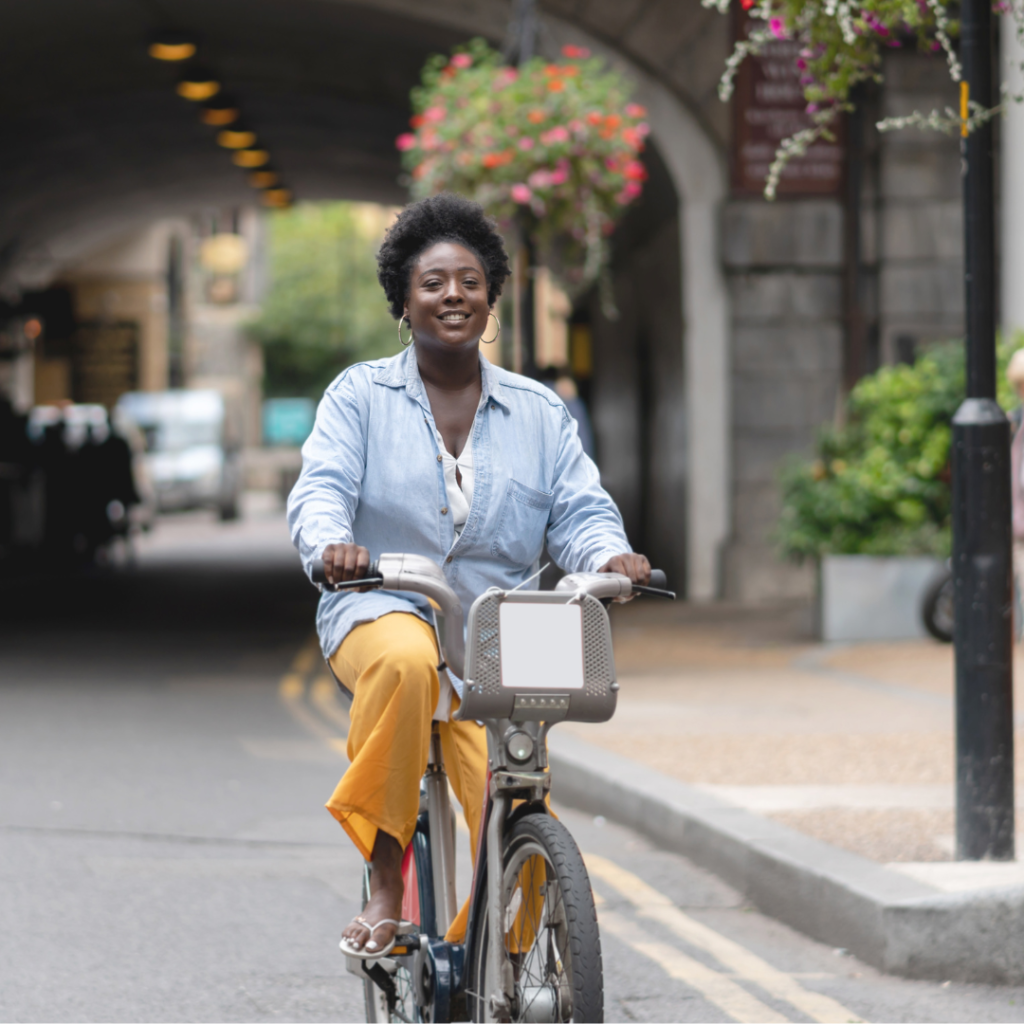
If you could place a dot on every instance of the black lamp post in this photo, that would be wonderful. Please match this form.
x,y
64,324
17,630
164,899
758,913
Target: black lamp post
x,y
982,543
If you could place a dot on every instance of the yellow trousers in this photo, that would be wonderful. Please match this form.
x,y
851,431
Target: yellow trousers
x,y
390,665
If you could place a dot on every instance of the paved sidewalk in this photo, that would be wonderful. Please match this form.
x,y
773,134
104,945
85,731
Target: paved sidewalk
x,y
850,744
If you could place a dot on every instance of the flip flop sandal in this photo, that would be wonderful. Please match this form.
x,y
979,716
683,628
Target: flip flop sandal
x,y
365,952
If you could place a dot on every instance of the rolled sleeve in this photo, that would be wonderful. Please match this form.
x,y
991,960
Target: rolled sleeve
x,y
585,529
323,502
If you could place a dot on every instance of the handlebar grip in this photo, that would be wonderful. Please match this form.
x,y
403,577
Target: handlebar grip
x,y
658,579
317,572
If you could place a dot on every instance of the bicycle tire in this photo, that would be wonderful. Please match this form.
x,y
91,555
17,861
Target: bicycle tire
x,y
570,983
937,608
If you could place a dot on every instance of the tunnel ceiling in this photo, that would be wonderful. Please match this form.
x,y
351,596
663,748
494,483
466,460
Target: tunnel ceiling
x,y
95,138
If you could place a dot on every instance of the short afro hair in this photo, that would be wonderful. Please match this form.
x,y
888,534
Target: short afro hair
x,y
442,218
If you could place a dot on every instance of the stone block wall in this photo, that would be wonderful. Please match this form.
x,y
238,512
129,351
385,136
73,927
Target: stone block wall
x,y
919,211
784,265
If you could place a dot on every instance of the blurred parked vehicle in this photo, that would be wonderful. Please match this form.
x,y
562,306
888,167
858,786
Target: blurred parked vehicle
x,y
189,459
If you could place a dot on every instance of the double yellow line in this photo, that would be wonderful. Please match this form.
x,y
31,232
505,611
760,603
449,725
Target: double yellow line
x,y
310,695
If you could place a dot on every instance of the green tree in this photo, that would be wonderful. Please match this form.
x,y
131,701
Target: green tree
x,y
324,309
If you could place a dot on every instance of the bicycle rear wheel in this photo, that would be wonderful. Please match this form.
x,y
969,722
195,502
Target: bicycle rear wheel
x,y
549,934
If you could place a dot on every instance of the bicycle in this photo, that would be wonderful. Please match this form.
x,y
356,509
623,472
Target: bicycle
x,y
544,963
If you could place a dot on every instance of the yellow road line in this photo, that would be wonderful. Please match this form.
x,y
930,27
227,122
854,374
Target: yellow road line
x,y
305,661
292,691
731,998
656,906
324,695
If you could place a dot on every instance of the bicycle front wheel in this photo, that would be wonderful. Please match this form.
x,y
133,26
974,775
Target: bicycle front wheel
x,y
549,935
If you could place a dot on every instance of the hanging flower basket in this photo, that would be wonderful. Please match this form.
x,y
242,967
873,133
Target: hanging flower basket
x,y
550,148
841,45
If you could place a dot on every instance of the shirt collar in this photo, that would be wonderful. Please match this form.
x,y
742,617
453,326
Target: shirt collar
x,y
403,371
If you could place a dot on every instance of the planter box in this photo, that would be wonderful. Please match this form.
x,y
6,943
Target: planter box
x,y
864,597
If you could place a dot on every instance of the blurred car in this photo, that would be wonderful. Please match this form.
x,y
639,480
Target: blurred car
x,y
188,460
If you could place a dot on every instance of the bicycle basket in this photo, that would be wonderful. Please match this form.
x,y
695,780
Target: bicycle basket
x,y
539,656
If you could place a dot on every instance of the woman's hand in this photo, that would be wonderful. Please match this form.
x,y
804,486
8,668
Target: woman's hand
x,y
636,567
343,562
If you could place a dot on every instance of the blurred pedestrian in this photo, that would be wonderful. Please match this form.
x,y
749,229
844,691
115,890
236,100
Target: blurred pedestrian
x,y
562,383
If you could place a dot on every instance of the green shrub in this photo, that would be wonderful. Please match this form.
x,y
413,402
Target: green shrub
x,y
880,484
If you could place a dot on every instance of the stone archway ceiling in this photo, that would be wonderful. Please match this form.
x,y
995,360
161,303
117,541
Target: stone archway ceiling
x,y
95,139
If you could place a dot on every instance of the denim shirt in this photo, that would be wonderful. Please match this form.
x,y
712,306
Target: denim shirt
x,y
372,474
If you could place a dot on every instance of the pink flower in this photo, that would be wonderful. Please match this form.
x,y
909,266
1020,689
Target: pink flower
x,y
778,28
643,129
521,193
434,114
576,126
405,141
554,135
540,179
526,143
462,60
635,110
560,175
801,63
575,52
512,129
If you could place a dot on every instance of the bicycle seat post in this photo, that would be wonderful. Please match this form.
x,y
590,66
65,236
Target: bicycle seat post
x,y
442,836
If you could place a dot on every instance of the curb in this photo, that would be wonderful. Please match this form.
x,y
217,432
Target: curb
x,y
893,922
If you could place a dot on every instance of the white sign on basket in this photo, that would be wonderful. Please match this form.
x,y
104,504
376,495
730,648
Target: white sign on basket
x,y
541,646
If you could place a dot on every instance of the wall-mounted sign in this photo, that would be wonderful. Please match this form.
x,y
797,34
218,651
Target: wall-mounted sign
x,y
769,106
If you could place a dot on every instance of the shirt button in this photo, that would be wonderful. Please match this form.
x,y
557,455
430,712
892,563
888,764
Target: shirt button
x,y
449,558
439,459
444,511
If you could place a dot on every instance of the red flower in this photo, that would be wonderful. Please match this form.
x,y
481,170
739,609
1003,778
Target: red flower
x,y
594,118
417,120
575,52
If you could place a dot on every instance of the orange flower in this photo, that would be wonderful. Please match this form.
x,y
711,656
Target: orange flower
x,y
491,160
556,85
535,116
416,121
552,69
612,121
570,71
594,118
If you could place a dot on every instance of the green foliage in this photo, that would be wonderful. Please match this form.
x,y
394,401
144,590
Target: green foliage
x,y
324,309
880,484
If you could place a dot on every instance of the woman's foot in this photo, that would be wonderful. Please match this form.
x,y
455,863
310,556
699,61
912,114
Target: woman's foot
x,y
386,890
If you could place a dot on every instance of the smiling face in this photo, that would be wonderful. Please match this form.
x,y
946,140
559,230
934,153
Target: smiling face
x,y
447,297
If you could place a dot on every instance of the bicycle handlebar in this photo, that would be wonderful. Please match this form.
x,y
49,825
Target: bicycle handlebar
x,y
419,575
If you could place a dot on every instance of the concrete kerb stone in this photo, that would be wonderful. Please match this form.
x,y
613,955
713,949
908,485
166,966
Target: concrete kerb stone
x,y
887,919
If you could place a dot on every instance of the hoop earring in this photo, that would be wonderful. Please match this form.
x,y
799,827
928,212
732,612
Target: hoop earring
x,y
491,341
405,343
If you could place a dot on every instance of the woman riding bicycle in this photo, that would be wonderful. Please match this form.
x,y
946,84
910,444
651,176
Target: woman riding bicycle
x,y
433,452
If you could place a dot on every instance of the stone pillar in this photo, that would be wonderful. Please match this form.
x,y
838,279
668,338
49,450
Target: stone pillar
x,y
1012,184
785,264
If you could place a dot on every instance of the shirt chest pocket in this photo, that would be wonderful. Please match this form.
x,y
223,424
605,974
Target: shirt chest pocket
x,y
519,537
